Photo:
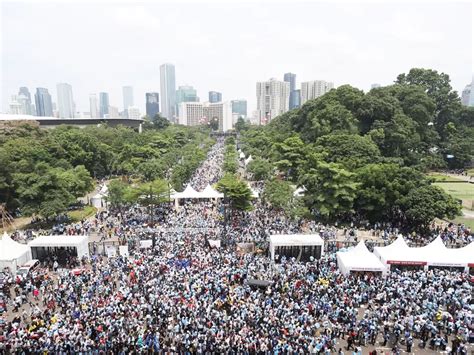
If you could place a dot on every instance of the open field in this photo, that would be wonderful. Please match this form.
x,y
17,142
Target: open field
x,y
80,214
462,191
465,220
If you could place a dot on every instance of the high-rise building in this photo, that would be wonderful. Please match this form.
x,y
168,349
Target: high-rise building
x,y
127,97
44,104
94,110
103,104
113,112
471,99
239,107
15,107
215,96
133,113
294,95
272,99
168,91
185,93
199,113
65,100
26,101
467,96
152,104
312,89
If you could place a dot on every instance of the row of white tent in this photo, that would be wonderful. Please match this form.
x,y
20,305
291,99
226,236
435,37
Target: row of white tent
x,y
13,254
435,254
208,193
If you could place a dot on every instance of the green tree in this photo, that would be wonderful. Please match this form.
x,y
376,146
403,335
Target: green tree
x,y
330,189
289,155
119,194
237,191
350,150
422,205
160,122
241,125
278,193
261,169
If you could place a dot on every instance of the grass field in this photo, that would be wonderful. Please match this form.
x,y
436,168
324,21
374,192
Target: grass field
x,y
462,191
79,215
441,177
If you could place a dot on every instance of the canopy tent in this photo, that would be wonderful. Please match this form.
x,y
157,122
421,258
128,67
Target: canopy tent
x,y
248,160
44,245
297,245
398,253
433,254
359,258
299,192
98,200
188,192
242,155
253,191
104,190
210,192
12,253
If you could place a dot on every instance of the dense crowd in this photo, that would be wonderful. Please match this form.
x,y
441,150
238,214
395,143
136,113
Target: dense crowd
x,y
185,296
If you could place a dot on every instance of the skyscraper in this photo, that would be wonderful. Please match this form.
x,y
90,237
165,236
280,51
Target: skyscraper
x,y
152,104
185,93
272,99
215,96
103,104
313,89
65,100
239,107
93,106
201,113
168,91
294,99
127,97
471,99
44,104
26,100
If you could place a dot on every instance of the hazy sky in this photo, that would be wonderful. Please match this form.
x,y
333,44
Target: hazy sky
x,y
227,47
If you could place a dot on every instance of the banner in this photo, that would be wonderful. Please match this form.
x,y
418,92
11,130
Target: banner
x,y
111,251
146,243
123,251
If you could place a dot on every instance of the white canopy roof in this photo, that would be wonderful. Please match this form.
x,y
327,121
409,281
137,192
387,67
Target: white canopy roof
x,y
210,192
435,254
253,191
299,192
188,192
248,160
12,250
242,155
58,241
279,240
359,258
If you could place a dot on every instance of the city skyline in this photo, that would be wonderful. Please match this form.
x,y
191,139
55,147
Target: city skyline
x,y
348,58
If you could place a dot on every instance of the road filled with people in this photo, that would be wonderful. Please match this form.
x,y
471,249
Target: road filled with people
x,y
185,296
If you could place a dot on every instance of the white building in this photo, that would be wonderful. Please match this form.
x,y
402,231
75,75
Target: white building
x,y
94,108
198,113
65,100
15,107
133,113
272,99
312,89
168,91
113,112
127,97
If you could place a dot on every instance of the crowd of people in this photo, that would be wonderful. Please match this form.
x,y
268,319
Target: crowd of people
x,y
185,296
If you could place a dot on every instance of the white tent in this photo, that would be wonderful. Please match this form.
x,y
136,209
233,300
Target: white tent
x,y
433,254
253,191
359,258
242,155
188,192
299,192
295,240
210,192
12,253
98,201
248,160
41,245
398,253
104,190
